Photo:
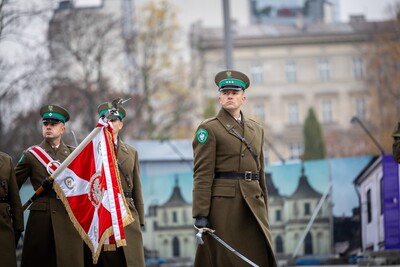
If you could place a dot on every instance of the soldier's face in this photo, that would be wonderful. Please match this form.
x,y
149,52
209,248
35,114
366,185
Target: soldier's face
x,y
52,130
231,99
117,126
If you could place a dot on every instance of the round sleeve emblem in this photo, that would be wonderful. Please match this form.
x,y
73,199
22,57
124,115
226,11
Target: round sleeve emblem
x,y
202,135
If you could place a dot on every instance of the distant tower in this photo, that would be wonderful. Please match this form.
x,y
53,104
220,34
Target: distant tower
x,y
129,34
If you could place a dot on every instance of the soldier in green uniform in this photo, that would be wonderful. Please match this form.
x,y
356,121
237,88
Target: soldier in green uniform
x,y
396,143
50,239
11,214
229,189
131,255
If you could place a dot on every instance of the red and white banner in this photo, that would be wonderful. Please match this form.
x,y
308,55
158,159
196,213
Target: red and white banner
x,y
91,191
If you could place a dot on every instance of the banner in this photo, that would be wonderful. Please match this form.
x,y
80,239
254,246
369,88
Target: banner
x,y
90,189
391,208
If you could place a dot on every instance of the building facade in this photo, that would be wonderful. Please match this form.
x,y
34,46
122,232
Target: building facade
x,y
293,68
289,217
169,231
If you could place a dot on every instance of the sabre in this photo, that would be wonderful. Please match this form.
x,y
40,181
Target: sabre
x,y
49,180
211,233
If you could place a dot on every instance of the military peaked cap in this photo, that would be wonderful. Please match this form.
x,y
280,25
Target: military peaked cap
x,y
103,108
232,80
54,113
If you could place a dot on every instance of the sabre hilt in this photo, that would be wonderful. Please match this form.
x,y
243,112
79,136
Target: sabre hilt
x,y
199,235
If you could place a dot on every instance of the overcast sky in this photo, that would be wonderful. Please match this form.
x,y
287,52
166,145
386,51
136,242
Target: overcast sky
x,y
372,9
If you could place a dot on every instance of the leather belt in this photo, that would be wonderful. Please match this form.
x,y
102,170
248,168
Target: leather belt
x,y
128,194
247,175
3,199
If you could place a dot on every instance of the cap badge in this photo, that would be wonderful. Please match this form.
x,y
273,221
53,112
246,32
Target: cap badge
x,y
50,107
109,105
50,114
228,74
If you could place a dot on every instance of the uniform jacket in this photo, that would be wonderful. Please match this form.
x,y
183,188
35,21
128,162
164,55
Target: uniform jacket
x,y
130,181
236,209
50,238
11,214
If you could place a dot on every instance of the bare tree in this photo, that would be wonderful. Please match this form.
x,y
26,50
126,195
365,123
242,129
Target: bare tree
x,y
383,79
23,73
82,43
165,102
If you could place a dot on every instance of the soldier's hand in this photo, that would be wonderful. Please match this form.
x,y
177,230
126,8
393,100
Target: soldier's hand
x,y
47,184
202,222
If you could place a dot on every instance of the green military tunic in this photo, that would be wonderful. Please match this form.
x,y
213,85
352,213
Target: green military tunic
x,y
50,239
237,209
131,255
11,214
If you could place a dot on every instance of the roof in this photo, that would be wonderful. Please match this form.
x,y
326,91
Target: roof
x,y
176,199
360,176
304,189
272,190
163,150
267,34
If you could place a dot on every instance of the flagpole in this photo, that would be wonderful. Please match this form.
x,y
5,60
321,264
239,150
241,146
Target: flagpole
x,y
64,165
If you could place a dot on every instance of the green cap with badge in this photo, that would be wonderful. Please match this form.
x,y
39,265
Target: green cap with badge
x,y
103,108
231,80
54,113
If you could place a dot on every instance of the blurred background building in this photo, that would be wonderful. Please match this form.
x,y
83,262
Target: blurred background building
x,y
163,55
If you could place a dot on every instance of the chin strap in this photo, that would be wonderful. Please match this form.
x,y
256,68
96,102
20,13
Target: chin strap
x,y
205,230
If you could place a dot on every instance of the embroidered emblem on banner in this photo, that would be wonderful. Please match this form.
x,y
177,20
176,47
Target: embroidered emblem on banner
x,y
202,135
96,192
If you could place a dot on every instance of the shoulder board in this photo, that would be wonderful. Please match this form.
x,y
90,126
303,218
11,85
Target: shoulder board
x,y
71,148
208,120
256,122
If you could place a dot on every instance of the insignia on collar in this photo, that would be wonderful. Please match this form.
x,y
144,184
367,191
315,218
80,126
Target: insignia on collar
x,y
21,159
202,135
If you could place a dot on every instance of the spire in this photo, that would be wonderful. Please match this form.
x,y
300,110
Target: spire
x,y
176,199
304,189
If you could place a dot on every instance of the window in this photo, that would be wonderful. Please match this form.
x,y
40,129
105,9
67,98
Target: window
x,y
360,108
308,244
257,74
291,72
358,68
259,111
293,113
278,215
324,74
174,216
326,111
279,244
295,150
307,209
369,207
175,247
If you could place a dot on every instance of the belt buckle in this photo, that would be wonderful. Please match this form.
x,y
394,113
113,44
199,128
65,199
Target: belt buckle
x,y
248,176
